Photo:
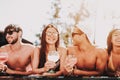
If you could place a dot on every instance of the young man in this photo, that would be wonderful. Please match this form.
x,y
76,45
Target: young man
x,y
20,55
91,61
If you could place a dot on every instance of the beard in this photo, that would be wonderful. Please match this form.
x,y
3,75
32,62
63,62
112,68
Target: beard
x,y
14,41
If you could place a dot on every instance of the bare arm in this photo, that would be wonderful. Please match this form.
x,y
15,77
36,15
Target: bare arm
x,y
10,71
35,62
85,73
35,58
71,70
101,62
63,55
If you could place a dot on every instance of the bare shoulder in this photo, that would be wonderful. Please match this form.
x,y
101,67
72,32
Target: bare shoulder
x,y
26,45
102,52
71,49
62,49
5,48
38,47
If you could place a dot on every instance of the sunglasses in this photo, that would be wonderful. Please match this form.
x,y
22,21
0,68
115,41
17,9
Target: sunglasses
x,y
75,34
49,34
9,32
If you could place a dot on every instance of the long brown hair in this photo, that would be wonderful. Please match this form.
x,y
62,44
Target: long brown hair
x,y
44,45
109,38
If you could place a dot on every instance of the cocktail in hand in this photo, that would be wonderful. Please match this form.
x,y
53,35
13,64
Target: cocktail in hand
x,y
53,56
3,59
70,63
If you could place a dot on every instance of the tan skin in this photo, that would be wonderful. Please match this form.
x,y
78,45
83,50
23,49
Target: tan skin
x,y
115,54
50,64
62,53
20,56
51,39
91,61
116,64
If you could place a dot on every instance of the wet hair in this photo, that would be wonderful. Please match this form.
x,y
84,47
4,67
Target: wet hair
x,y
12,27
44,45
109,42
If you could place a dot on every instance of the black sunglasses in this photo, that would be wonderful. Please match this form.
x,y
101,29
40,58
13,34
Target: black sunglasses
x,y
9,32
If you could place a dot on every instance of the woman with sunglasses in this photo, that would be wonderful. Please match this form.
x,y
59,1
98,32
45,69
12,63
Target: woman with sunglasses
x,y
91,61
50,43
113,48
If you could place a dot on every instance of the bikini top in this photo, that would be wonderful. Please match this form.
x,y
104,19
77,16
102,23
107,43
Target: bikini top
x,y
43,60
110,64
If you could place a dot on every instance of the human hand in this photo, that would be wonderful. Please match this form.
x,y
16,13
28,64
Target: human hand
x,y
117,74
49,65
3,67
68,68
70,63
29,68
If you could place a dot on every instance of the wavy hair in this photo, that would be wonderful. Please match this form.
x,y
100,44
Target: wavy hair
x,y
44,44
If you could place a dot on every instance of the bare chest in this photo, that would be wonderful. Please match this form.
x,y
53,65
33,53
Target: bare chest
x,y
18,59
86,61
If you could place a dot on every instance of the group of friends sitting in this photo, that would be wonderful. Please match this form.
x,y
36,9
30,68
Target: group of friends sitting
x,y
80,59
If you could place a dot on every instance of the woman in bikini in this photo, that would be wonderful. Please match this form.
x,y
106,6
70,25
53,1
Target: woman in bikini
x,y
50,42
113,47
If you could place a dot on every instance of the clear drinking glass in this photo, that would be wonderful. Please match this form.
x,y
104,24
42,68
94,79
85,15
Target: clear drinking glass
x,y
53,56
73,60
3,58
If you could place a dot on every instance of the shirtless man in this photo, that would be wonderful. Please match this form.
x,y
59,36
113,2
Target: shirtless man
x,y
91,61
20,55
113,47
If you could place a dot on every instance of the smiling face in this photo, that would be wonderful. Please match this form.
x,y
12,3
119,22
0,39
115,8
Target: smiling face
x,y
51,36
77,36
12,33
113,39
116,38
12,37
